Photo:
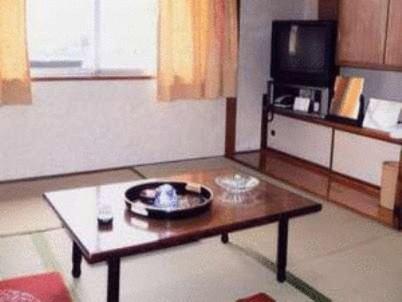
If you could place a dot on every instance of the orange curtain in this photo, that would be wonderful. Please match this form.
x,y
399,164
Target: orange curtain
x,y
15,84
197,49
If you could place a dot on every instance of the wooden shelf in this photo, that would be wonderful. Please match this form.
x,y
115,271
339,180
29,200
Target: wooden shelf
x,y
376,134
352,194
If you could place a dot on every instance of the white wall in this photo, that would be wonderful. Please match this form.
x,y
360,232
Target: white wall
x,y
255,57
89,125
311,9
378,83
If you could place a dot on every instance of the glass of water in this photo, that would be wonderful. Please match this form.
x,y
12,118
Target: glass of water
x,y
103,206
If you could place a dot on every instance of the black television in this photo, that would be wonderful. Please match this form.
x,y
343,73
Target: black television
x,y
303,52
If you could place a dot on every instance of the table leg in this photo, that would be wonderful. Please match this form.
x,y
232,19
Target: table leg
x,y
77,259
113,279
282,249
225,238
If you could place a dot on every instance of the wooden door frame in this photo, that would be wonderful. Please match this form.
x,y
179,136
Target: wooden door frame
x,y
231,106
398,198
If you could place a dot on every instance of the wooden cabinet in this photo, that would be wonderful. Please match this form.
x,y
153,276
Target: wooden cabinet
x,y
362,32
370,34
393,55
351,160
301,139
362,157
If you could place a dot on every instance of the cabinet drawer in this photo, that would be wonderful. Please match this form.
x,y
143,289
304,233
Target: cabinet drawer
x,y
304,140
362,157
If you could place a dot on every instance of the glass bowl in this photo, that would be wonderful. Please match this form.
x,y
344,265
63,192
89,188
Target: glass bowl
x,y
237,183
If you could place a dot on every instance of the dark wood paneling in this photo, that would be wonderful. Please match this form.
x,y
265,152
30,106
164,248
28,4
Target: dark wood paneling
x,y
362,31
231,108
264,121
398,198
393,55
230,137
328,9
360,198
353,194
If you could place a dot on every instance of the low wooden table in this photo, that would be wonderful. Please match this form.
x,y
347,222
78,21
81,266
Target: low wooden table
x,y
130,234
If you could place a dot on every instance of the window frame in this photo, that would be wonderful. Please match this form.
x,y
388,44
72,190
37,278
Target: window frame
x,y
96,74
91,78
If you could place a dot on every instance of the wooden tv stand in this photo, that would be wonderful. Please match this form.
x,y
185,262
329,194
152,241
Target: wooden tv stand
x,y
355,195
334,161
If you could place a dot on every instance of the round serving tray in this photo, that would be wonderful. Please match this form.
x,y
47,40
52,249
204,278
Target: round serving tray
x,y
193,199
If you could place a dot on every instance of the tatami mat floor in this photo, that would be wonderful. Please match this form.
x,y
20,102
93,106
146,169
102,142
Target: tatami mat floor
x,y
23,209
342,255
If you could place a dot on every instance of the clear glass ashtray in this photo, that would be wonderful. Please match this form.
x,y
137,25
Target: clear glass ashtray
x,y
237,183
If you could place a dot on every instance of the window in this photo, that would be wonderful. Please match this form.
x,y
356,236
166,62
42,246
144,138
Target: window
x,y
92,37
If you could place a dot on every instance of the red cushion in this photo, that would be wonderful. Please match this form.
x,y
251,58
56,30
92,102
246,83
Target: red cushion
x,y
47,287
261,297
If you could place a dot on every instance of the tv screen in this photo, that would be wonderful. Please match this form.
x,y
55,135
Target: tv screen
x,y
303,52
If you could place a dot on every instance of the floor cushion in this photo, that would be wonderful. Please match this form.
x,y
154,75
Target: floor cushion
x,y
47,287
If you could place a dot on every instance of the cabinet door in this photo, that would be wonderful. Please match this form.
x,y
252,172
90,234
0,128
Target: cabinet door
x,y
362,32
394,34
362,157
301,139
